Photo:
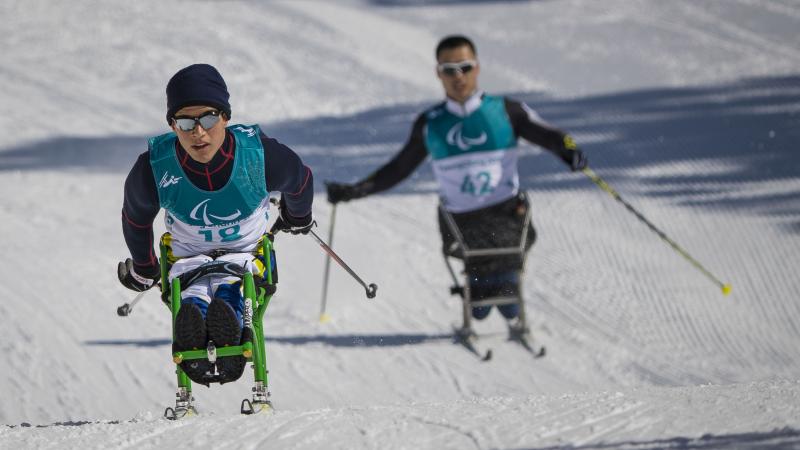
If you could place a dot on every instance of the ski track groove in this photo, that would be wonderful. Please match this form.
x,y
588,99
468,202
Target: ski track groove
x,y
295,425
298,370
589,327
566,409
710,334
273,433
699,330
443,370
619,413
469,434
626,422
675,326
765,334
17,357
708,338
170,427
700,33
786,310
742,35
774,7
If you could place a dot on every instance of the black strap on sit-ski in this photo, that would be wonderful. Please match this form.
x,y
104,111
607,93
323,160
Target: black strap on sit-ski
x,y
211,268
222,268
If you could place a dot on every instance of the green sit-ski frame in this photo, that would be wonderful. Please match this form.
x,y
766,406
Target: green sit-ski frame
x,y
256,298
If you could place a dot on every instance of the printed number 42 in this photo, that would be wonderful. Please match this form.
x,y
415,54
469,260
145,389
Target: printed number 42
x,y
225,234
478,184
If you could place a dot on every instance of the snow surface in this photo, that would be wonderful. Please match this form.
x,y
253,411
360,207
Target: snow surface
x,y
689,109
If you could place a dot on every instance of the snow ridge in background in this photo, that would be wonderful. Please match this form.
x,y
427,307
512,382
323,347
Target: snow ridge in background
x,y
689,110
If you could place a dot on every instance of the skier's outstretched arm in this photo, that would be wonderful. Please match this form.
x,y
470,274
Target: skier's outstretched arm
x,y
390,174
139,209
528,125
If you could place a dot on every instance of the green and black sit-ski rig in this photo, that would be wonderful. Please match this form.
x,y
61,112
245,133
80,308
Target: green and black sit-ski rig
x,y
258,292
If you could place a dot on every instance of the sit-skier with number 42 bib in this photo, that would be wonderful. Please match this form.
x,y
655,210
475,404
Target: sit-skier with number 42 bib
x,y
213,181
471,139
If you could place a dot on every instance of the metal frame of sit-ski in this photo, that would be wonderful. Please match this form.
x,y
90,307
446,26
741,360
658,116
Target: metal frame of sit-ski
x,y
460,248
257,295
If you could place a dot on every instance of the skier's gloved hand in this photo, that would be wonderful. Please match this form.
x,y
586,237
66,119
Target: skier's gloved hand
x,y
341,192
138,280
579,160
294,225
290,224
573,156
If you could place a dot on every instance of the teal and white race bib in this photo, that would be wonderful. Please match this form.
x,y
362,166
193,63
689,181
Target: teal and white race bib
x,y
232,218
474,156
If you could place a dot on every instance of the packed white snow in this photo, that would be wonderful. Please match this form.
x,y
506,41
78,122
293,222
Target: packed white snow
x,y
689,110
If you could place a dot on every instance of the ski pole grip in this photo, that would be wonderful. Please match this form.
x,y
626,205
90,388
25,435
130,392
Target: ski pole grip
x,y
371,290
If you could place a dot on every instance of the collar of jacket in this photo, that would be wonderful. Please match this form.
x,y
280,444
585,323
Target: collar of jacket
x,y
466,108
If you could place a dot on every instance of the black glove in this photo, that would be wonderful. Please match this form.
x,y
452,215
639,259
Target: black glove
x,y
579,160
573,156
340,192
140,280
294,225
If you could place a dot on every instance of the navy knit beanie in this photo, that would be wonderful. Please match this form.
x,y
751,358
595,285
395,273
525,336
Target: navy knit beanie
x,y
198,84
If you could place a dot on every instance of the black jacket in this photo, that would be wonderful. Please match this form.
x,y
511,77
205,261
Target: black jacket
x,y
414,151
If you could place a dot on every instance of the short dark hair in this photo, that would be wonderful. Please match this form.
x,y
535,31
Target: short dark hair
x,y
454,41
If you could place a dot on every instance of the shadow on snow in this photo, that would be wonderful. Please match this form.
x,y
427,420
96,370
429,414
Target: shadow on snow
x,y
347,340
721,137
417,3
779,439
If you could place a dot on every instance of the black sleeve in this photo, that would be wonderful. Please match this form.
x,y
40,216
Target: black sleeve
x,y
401,166
286,173
530,127
139,208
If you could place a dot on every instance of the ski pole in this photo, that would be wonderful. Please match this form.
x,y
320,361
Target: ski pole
x,y
127,308
372,286
726,288
323,316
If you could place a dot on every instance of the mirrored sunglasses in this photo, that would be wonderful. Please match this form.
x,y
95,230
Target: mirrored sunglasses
x,y
452,68
206,120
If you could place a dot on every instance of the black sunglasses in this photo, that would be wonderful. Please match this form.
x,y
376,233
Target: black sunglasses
x,y
452,68
206,120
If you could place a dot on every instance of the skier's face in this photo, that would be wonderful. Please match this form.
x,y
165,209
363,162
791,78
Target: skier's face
x,y
458,70
200,143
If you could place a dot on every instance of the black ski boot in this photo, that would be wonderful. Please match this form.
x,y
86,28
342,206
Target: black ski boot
x,y
190,334
224,329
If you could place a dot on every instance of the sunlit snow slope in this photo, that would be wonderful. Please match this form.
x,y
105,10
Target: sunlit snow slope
x,y
690,110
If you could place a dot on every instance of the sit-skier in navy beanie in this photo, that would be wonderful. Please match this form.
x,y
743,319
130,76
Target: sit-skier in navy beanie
x,y
198,84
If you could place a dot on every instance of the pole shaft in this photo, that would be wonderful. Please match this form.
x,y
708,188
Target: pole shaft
x,y
327,263
605,186
336,258
137,298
